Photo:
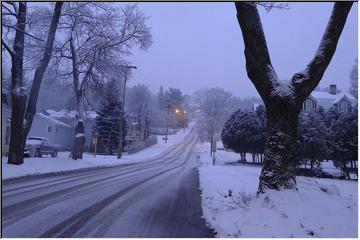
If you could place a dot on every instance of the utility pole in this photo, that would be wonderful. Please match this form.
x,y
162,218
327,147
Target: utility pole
x,y
119,154
184,120
167,123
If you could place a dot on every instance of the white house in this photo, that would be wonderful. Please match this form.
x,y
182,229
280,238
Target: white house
x,y
341,100
56,131
69,117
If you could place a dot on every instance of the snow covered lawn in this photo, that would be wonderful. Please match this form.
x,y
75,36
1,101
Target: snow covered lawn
x,y
63,162
321,207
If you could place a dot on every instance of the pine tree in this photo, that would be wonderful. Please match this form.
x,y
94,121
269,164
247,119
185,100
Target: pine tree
x,y
161,101
242,133
108,125
174,97
312,146
343,139
354,80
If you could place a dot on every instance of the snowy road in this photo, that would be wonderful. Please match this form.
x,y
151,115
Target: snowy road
x,y
157,198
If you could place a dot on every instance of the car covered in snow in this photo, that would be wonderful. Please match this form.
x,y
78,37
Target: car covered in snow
x,y
38,146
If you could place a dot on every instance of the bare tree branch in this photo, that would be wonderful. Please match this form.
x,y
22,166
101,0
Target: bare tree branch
x,y
10,12
271,5
258,63
14,6
305,82
11,52
26,33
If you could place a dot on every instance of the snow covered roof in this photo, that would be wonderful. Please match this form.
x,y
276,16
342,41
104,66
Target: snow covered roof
x,y
327,100
52,120
70,114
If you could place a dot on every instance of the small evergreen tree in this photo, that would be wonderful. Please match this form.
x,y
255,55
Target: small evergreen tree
x,y
174,97
312,146
354,80
242,132
108,125
343,139
161,100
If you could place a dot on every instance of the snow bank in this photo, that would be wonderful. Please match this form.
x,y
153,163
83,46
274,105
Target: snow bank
x,y
321,207
63,161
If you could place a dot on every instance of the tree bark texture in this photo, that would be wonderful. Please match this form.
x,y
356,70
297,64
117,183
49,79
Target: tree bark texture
x,y
79,135
79,141
18,91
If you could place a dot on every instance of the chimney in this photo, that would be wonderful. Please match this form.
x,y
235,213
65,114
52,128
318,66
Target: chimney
x,y
332,89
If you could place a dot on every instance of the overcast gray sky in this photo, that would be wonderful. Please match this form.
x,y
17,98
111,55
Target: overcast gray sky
x,y
200,45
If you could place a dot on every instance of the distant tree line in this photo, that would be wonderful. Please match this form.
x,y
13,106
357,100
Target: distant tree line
x,y
322,135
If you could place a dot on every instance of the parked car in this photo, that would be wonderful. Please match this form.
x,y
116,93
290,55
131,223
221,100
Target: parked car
x,y
38,146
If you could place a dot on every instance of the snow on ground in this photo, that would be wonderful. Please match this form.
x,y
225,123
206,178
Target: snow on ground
x,y
321,207
63,162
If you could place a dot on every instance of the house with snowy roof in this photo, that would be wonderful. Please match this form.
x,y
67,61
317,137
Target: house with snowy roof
x,y
5,121
58,132
69,117
333,98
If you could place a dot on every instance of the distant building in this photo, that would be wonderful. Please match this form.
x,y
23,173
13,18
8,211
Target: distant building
x,y
255,106
5,122
341,100
58,132
69,117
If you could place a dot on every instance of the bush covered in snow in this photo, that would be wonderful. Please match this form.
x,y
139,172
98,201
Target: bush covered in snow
x,y
244,132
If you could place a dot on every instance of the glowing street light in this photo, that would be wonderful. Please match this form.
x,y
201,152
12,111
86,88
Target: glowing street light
x,y
177,110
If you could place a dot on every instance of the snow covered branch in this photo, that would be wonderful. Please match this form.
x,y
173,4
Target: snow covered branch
x,y
258,63
304,82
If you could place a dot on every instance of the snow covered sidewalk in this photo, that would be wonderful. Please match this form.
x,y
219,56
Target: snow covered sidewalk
x,y
63,162
321,207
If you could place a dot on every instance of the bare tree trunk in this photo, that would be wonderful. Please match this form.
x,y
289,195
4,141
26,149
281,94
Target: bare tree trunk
x,y
20,126
278,171
211,144
283,99
79,138
18,92
40,70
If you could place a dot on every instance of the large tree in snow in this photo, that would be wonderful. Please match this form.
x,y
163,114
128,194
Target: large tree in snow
x,y
283,99
96,37
24,108
214,106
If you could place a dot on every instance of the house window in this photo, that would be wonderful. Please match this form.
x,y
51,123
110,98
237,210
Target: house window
x,y
56,129
309,105
49,128
344,106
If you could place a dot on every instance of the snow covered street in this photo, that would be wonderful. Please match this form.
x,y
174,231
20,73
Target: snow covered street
x,y
63,162
179,119
321,207
154,198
